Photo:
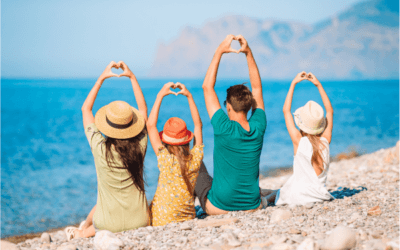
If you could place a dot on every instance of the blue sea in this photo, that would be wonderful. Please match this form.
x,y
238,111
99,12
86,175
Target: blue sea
x,y
48,178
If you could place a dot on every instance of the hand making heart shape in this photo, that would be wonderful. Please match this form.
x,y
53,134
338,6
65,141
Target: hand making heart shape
x,y
306,76
225,46
107,73
168,87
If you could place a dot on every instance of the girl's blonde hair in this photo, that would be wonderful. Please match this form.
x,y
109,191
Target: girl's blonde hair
x,y
182,153
318,146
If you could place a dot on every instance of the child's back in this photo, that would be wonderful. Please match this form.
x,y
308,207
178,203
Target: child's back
x,y
179,166
311,148
173,202
305,185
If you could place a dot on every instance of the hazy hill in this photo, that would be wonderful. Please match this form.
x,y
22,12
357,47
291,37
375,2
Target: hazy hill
x,y
359,43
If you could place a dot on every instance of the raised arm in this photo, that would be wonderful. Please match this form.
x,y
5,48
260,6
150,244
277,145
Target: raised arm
x,y
87,106
198,126
328,107
211,99
152,121
137,91
291,127
255,79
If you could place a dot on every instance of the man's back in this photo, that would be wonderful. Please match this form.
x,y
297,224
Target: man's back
x,y
236,162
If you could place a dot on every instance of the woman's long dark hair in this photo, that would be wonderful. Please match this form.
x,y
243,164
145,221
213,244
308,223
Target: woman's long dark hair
x,y
131,155
182,153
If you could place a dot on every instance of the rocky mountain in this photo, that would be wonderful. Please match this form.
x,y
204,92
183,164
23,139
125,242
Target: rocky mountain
x,y
359,43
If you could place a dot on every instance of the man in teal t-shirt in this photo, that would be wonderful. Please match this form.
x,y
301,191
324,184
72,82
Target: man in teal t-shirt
x,y
237,141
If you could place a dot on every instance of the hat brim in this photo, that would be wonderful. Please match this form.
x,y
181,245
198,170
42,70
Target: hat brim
x,y
306,129
125,133
189,134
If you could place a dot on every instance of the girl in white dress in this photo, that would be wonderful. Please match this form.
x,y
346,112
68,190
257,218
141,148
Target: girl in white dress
x,y
311,149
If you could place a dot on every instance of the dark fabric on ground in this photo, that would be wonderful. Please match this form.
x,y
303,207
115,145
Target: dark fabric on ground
x,y
203,185
200,214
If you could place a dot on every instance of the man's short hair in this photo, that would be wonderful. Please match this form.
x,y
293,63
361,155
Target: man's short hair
x,y
240,98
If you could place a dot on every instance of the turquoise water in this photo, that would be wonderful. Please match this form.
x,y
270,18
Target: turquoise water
x,y
48,177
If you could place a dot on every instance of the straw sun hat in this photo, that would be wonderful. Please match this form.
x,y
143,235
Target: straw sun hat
x,y
310,118
119,120
175,132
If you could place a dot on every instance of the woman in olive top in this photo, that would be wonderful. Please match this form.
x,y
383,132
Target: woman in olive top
x,y
118,156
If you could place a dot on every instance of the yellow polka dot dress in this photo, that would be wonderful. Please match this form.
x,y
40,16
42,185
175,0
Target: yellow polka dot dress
x,y
172,201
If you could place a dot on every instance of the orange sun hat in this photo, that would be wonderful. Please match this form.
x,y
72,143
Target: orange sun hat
x,y
175,132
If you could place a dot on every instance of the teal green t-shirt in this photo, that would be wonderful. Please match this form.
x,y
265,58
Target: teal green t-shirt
x,y
237,153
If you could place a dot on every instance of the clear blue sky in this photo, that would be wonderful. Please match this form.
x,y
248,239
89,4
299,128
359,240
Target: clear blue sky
x,y
54,38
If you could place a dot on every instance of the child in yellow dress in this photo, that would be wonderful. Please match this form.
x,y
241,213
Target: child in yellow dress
x,y
179,166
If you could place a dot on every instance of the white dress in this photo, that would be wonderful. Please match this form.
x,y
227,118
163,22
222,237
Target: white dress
x,y
304,185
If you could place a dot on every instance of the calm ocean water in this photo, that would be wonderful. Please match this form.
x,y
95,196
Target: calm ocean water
x,y
48,177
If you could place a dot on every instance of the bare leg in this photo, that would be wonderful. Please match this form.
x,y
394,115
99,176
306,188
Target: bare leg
x,y
89,218
85,233
87,229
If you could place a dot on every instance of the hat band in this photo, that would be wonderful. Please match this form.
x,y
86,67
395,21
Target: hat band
x,y
119,126
174,140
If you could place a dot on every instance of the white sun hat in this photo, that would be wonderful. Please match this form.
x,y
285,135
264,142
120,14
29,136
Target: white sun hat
x,y
310,118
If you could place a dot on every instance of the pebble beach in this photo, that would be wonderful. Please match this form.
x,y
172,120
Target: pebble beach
x,y
364,215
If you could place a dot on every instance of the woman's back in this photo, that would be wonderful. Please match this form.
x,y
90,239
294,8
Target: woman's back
x,y
120,204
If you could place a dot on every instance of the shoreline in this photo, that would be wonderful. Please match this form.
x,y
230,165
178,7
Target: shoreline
x,y
274,172
378,172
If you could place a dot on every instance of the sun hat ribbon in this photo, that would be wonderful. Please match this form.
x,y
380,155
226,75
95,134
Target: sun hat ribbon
x,y
174,140
119,120
119,126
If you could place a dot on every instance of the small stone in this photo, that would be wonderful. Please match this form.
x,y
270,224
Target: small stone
x,y
261,244
320,236
67,247
231,239
106,240
301,220
375,211
216,222
45,238
148,237
278,239
6,245
304,233
309,205
297,238
206,241
308,244
280,215
59,236
45,245
340,238
282,246
294,231
374,244
363,235
185,226
354,217
376,234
